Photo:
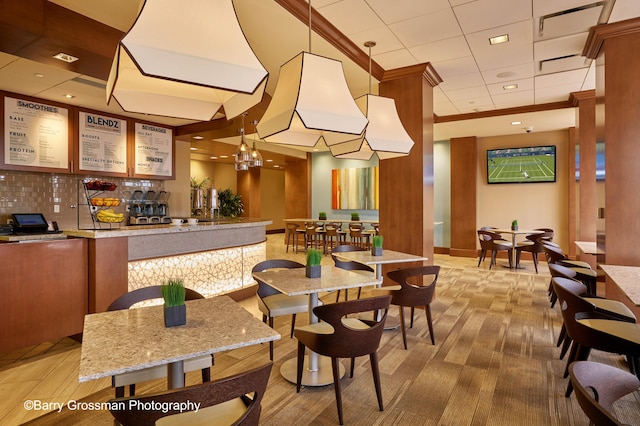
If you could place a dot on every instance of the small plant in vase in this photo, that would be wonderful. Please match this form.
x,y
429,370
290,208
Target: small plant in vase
x,y
514,225
355,216
376,245
322,216
312,269
175,311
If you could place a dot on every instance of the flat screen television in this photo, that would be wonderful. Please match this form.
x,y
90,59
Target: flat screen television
x,y
522,165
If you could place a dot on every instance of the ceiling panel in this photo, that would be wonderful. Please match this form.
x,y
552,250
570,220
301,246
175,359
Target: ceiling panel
x,y
351,16
624,9
518,50
561,78
485,14
498,88
442,50
460,66
517,72
400,10
515,99
559,47
427,28
462,81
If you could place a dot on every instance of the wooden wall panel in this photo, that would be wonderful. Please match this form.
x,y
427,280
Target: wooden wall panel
x,y
249,188
586,134
297,188
108,271
464,177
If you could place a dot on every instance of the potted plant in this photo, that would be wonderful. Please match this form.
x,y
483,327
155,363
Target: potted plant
x,y
376,245
175,311
322,216
230,204
312,269
355,216
514,225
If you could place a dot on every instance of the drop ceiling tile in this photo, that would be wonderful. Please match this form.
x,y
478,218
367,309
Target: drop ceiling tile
x,y
558,47
510,100
427,28
484,14
6,59
561,78
462,81
21,72
400,10
624,9
590,79
396,59
498,88
516,72
467,93
518,50
442,50
546,7
446,108
475,105
351,16
386,40
460,66
439,96
556,93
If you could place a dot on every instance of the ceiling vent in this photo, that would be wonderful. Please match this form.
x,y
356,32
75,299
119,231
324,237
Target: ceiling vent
x,y
564,63
88,82
570,21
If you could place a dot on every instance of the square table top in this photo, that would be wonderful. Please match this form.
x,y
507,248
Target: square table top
x,y
627,278
589,247
122,341
516,231
388,256
293,282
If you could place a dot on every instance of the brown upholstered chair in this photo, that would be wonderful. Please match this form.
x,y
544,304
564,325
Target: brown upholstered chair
x,y
533,245
339,335
598,386
272,303
414,295
349,265
493,242
232,400
130,379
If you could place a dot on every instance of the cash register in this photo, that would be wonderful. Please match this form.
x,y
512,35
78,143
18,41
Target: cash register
x,y
32,224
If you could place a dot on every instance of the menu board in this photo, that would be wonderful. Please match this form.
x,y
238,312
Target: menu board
x,y
153,150
35,134
103,143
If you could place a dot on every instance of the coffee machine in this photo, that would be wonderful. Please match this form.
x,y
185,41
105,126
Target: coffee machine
x,y
149,208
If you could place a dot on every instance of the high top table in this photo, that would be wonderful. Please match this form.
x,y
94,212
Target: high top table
x,y
127,340
292,282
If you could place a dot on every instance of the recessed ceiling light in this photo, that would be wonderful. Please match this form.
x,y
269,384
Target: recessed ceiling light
x,y
515,123
269,161
275,166
68,96
198,137
193,149
510,86
214,158
224,156
65,57
499,39
39,75
505,74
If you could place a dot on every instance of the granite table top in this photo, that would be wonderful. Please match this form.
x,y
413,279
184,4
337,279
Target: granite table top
x,y
294,282
627,278
388,256
133,339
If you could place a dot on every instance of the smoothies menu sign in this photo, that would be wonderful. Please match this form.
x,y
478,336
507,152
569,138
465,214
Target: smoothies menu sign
x,y
35,134
103,143
153,150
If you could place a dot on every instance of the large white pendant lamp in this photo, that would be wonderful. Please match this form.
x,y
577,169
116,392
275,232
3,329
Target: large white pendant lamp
x,y
385,135
311,101
186,59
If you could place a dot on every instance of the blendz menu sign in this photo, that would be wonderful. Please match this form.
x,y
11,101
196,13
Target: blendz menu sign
x,y
35,134
153,150
103,143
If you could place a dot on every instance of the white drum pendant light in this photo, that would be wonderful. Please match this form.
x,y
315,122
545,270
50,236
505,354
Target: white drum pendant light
x,y
311,101
385,135
186,59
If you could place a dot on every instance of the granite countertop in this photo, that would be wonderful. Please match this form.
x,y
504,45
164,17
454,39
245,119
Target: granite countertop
x,y
627,278
29,238
133,339
135,230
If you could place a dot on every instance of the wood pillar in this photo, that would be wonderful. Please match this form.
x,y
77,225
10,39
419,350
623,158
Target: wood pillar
x,y
464,177
406,183
616,47
297,188
249,188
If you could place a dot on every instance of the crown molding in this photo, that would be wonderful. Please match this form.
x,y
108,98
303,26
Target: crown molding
x,y
599,33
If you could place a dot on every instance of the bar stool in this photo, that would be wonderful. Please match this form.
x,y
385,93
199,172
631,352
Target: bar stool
x,y
332,237
357,235
292,235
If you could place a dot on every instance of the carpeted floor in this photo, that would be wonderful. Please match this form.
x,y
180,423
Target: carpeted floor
x,y
494,363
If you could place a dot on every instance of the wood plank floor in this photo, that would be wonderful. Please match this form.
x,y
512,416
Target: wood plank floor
x,y
494,363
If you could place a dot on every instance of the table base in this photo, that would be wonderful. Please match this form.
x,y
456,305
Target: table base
x,y
514,267
321,377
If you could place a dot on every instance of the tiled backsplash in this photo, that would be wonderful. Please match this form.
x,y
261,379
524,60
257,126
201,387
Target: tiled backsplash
x,y
28,192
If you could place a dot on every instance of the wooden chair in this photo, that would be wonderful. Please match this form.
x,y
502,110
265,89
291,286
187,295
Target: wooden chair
x,y
312,237
412,295
598,386
338,336
272,303
232,400
357,236
292,235
584,273
533,245
492,242
332,236
349,265
130,379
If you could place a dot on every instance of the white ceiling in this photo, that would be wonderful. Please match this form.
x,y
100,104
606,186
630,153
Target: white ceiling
x,y
451,34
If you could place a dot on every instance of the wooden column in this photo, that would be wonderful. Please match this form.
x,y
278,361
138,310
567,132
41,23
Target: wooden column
x,y
406,183
616,46
297,188
464,176
249,188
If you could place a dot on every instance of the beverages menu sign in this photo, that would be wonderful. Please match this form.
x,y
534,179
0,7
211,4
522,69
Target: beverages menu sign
x,y
153,150
35,134
103,143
